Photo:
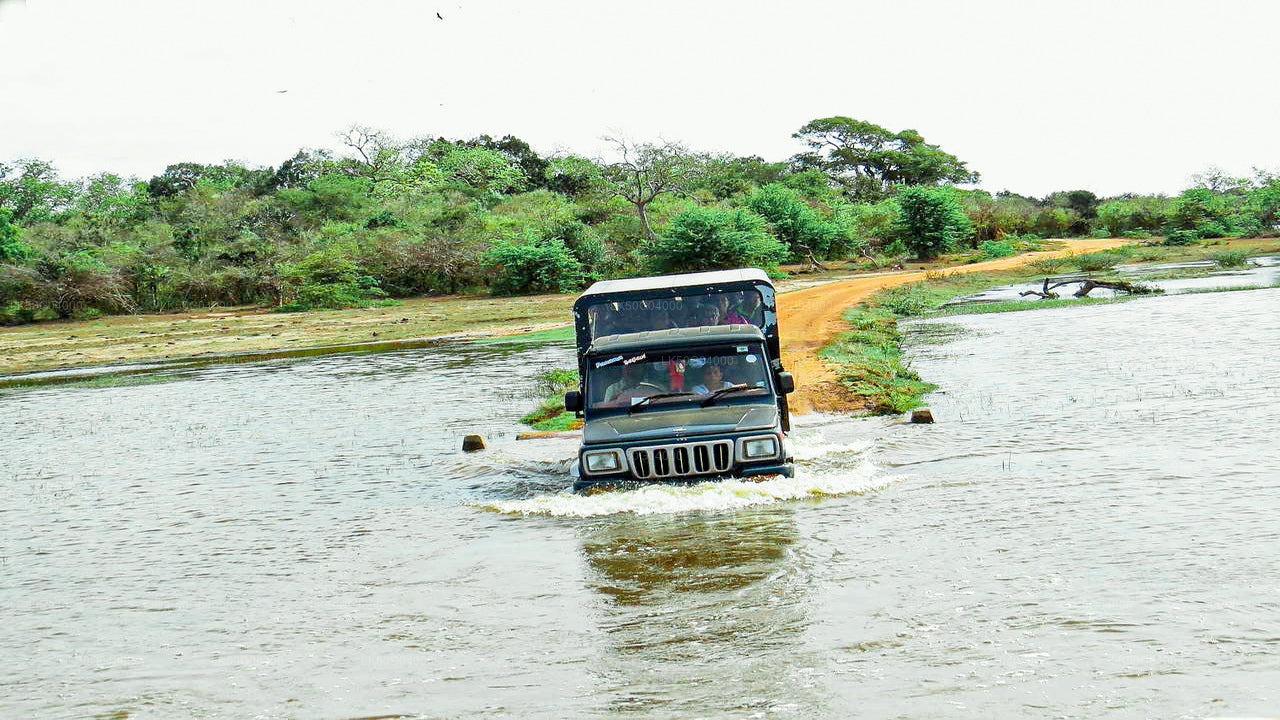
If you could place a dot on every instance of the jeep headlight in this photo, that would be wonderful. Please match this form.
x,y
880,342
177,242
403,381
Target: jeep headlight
x,y
761,447
602,461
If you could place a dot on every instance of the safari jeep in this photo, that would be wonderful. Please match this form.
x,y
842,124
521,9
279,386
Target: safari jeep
x,y
681,380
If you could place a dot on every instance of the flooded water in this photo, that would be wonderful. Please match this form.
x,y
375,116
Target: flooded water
x,y
1088,531
1260,272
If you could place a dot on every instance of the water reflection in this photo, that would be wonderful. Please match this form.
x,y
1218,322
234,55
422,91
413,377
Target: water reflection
x,y
703,612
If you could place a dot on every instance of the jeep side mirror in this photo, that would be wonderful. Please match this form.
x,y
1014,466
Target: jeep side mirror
x,y
573,401
786,383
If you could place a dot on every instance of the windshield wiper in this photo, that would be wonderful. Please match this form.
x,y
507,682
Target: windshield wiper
x,y
645,400
725,391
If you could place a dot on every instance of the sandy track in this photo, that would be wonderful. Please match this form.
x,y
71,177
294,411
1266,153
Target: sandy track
x,y
810,317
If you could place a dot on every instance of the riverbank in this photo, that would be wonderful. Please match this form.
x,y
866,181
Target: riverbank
x,y
810,316
867,358
56,345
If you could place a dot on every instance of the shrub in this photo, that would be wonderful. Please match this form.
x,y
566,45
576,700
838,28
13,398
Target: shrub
x,y
932,221
1181,237
1049,265
539,266
1096,261
793,221
1230,258
906,300
711,239
996,249
328,278
11,248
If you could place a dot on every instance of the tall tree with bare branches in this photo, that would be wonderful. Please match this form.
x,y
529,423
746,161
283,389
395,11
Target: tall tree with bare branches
x,y
646,170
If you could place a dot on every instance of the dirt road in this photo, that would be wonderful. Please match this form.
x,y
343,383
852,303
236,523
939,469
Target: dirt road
x,y
810,317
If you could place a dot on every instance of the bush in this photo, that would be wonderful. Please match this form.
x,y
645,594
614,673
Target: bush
x,y
905,300
1181,237
1230,258
328,278
793,221
996,249
1049,265
932,221
539,266
712,239
1096,261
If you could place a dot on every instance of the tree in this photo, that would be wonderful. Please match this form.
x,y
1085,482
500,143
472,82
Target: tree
x,y
32,191
932,221
378,156
868,160
728,176
712,239
11,248
571,175
646,171
488,171
793,221
533,165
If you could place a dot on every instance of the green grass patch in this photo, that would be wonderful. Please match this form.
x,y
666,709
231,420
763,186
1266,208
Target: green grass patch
x,y
1233,258
870,360
552,335
550,414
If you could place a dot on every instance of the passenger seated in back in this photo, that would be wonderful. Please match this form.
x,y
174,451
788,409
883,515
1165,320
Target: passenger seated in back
x,y
708,313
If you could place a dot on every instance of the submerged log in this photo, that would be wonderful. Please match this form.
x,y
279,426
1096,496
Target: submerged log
x,y
1089,284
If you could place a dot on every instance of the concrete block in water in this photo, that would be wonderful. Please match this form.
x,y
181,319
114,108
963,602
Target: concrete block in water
x,y
472,443
922,415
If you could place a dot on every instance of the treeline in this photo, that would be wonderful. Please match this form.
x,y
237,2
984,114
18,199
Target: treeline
x,y
384,218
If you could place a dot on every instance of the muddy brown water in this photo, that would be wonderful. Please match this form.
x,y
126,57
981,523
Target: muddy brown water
x,y
1088,531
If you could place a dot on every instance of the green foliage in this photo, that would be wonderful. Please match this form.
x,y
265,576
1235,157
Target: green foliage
x,y
1230,258
991,249
713,238
869,361
572,176
1050,265
1101,260
32,191
932,221
538,265
794,222
551,415
331,197
488,171
327,278
868,160
12,249
905,300
1146,213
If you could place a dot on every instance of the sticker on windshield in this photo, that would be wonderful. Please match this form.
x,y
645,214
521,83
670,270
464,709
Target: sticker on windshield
x,y
635,359
610,361
751,358
742,348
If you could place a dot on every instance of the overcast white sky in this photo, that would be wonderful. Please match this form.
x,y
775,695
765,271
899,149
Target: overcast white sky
x,y
1115,96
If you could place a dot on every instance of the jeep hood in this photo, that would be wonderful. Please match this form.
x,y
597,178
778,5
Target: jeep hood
x,y
653,424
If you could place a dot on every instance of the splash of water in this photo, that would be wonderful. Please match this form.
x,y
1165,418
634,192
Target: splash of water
x,y
710,496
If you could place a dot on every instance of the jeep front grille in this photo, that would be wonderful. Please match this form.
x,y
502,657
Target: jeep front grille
x,y
695,458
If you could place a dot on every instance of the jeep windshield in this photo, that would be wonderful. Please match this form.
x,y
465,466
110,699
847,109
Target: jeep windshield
x,y
641,379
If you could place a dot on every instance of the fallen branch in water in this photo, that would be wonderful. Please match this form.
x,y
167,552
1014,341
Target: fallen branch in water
x,y
1087,285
